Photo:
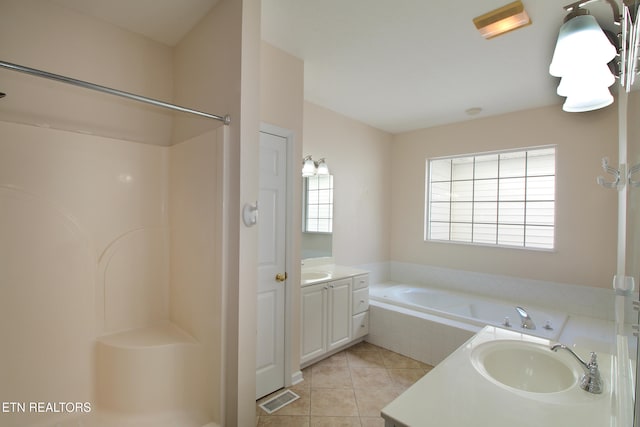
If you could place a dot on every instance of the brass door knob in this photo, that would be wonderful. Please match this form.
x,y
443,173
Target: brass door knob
x,y
281,277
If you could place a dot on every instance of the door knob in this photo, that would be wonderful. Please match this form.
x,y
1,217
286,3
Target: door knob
x,y
281,277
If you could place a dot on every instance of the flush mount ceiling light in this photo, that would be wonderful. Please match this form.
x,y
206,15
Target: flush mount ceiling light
x,y
502,20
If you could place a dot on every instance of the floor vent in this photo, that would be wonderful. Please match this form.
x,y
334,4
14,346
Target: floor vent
x,y
279,401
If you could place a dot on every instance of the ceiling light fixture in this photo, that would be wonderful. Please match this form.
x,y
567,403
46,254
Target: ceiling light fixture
x,y
502,20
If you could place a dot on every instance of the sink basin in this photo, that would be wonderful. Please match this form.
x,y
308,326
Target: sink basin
x,y
524,366
315,275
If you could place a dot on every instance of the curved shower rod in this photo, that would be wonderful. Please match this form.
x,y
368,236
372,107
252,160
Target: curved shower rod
x,y
39,73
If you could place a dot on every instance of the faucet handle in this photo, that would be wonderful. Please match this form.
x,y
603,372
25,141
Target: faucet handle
x,y
592,382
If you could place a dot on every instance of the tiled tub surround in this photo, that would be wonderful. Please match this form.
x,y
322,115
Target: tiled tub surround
x,y
430,338
472,309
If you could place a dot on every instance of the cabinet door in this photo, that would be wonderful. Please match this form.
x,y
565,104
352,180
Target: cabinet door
x,y
339,313
314,308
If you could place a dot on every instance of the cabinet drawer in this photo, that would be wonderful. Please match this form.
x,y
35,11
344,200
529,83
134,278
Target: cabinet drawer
x,y
360,301
360,325
360,282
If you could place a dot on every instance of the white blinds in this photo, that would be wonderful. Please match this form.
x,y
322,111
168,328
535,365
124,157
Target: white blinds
x,y
505,198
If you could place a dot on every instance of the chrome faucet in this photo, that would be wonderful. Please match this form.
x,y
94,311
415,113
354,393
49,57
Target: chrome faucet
x,y
591,380
526,321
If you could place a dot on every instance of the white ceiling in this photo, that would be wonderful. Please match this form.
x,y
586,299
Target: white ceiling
x,y
400,65
396,65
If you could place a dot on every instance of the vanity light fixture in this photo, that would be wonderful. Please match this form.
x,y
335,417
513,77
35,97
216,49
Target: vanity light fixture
x,y
502,20
311,168
581,57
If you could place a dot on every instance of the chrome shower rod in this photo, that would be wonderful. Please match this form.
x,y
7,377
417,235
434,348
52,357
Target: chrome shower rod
x,y
44,74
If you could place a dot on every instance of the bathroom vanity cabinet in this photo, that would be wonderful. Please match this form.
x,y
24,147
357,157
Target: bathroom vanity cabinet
x,y
334,314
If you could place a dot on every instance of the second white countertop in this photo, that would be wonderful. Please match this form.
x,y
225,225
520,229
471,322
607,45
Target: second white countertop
x,y
455,394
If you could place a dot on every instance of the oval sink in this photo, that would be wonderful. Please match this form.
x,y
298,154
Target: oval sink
x,y
524,366
315,275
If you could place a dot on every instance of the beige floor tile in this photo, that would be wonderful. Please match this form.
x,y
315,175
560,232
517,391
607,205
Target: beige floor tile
x,y
368,359
371,401
331,376
372,421
283,421
333,402
405,377
338,359
364,377
348,389
395,360
335,422
364,346
306,378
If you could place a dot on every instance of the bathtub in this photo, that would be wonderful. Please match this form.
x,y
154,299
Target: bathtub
x,y
471,311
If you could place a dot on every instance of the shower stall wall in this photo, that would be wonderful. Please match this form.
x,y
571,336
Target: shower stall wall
x,y
110,275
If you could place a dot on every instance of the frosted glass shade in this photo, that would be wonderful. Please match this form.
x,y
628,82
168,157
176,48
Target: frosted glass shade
x,y
308,168
581,42
594,77
323,169
588,100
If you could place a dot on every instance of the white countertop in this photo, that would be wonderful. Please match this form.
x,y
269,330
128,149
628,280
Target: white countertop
x,y
455,394
328,272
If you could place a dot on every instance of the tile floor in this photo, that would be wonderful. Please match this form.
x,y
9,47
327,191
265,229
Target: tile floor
x,y
347,389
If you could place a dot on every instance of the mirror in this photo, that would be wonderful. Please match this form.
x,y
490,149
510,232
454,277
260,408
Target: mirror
x,y
317,216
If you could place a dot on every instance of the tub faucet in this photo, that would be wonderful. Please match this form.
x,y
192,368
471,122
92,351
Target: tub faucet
x,y
591,380
527,323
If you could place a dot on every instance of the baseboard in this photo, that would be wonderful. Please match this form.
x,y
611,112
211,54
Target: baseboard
x,y
296,378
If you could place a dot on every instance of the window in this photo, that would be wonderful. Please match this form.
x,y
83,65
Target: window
x,y
500,198
318,204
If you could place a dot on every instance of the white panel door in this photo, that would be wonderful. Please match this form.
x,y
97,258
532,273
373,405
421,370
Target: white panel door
x,y
271,270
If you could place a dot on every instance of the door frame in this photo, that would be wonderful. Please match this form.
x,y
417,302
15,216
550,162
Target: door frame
x,y
290,377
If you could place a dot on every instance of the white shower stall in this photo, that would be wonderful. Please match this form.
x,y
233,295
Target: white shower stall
x,y
111,290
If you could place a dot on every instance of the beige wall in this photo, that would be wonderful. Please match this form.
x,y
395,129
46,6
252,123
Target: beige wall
x,y
358,157
585,212
281,89
217,70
